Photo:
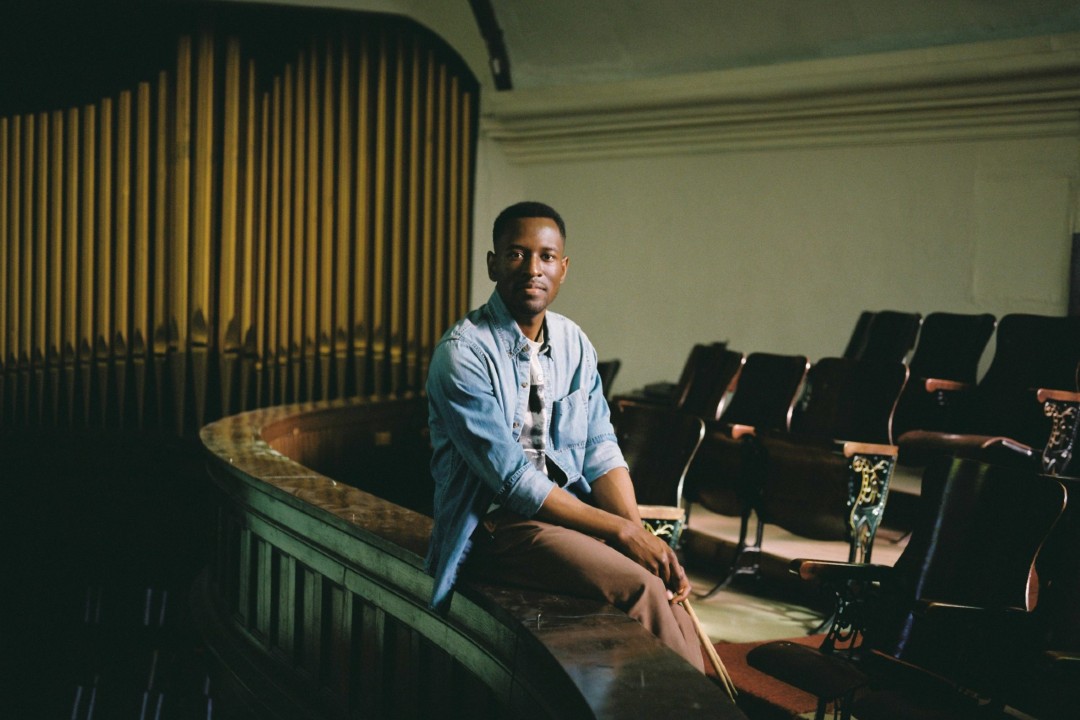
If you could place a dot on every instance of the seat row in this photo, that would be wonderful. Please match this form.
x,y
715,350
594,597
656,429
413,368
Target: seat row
x,y
978,618
811,448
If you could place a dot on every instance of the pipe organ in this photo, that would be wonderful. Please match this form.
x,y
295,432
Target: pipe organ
x,y
268,217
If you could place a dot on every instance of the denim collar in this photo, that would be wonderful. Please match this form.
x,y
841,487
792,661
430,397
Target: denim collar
x,y
510,335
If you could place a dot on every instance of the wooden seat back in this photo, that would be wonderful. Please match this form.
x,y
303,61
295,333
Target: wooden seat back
x,y
886,335
658,445
849,400
950,346
765,394
714,375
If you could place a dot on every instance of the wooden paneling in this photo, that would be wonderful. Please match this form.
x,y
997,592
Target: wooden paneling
x,y
245,227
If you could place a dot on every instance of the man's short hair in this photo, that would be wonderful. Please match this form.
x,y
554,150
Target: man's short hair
x,y
529,209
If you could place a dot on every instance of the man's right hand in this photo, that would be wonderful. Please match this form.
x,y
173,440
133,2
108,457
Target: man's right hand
x,y
654,555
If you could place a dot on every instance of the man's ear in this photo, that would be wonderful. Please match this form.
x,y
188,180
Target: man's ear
x,y
491,266
565,267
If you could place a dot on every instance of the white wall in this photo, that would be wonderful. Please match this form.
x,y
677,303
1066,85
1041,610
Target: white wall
x,y
780,248
780,251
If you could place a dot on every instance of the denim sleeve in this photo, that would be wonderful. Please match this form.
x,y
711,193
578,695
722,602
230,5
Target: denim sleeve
x,y
602,453
462,393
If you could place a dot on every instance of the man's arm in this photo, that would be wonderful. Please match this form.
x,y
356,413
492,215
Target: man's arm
x,y
616,520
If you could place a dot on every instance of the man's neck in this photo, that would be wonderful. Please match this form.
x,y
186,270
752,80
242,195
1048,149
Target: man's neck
x,y
533,328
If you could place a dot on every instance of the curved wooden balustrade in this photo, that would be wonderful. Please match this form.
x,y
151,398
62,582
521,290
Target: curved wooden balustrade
x,y
316,600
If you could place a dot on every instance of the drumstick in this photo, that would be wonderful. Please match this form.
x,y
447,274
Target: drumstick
x,y
714,658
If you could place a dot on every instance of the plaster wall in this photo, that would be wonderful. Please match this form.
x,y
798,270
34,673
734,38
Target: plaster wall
x,y
779,251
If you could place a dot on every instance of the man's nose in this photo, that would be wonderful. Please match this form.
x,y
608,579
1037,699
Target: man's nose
x,y
532,265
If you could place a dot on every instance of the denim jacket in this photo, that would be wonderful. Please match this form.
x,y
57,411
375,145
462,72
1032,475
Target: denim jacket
x,y
477,385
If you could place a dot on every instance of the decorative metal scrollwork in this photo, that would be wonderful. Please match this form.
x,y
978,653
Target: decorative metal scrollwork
x,y
1058,453
868,487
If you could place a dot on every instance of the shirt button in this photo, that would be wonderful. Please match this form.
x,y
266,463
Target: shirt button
x,y
516,424
524,385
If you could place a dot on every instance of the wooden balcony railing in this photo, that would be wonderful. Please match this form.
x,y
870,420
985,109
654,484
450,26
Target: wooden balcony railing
x,y
315,604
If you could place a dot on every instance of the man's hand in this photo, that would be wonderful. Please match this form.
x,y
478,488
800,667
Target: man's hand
x,y
656,556
616,520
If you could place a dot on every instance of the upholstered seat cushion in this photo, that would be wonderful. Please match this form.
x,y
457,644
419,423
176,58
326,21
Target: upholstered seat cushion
x,y
807,668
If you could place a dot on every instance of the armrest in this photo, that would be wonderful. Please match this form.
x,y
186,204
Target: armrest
x,y
1044,394
1064,660
933,385
837,572
852,449
1009,444
738,431
953,442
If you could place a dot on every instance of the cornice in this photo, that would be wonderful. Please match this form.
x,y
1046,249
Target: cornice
x,y
1017,88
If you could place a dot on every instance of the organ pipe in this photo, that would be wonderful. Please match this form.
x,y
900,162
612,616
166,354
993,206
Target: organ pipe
x,y
237,229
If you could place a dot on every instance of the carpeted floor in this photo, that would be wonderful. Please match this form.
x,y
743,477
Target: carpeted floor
x,y
774,606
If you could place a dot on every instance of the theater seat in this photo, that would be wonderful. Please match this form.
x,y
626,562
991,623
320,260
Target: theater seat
x,y
932,630
722,476
886,335
658,444
827,479
1001,418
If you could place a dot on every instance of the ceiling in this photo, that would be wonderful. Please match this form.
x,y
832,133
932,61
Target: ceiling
x,y
570,42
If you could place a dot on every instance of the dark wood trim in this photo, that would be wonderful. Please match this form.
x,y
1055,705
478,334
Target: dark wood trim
x,y
318,588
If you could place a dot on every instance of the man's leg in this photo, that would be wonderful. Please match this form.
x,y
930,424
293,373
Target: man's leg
x,y
539,555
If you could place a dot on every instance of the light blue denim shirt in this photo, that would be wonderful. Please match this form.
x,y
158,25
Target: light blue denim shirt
x,y
477,385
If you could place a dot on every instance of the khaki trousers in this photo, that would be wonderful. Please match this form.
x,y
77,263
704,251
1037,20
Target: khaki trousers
x,y
510,549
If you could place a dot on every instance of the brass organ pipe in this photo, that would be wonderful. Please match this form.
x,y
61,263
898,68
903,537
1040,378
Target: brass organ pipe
x,y
104,249
26,240
263,278
142,241
14,263
70,276
464,184
379,235
121,331
361,245
412,282
199,239
181,198
159,339
397,240
37,237
228,325
311,232
203,187
273,285
69,280
345,150
120,336
326,289
296,327
248,228
228,322
140,298
5,249
285,284
427,212
202,303
41,242
440,311
453,240
54,275
163,220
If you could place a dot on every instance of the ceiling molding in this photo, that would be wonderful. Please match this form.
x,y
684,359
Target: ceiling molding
x,y
1016,88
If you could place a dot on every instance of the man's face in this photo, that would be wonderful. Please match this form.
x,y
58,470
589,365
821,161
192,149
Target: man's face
x,y
528,267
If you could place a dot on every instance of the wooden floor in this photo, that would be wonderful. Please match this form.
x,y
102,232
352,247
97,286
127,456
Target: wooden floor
x,y
774,606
